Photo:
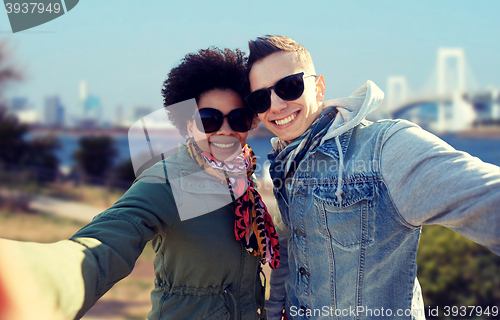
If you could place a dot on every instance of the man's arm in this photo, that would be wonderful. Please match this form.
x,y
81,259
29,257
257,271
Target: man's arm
x,y
66,278
432,183
23,278
276,303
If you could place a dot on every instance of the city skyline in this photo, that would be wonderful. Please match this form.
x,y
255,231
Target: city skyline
x,y
126,59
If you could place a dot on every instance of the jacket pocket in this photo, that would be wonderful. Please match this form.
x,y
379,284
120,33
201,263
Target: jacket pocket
x,y
349,222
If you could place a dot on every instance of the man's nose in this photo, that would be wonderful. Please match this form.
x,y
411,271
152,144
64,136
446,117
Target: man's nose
x,y
277,104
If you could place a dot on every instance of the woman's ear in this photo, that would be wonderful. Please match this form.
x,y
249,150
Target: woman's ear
x,y
189,124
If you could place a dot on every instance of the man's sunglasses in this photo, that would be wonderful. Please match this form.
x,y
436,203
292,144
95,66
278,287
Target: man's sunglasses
x,y
210,120
289,88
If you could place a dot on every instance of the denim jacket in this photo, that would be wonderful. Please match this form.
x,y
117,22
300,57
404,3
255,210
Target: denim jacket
x,y
354,256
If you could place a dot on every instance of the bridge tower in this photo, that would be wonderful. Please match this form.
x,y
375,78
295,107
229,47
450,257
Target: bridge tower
x,y
452,83
495,112
444,55
397,91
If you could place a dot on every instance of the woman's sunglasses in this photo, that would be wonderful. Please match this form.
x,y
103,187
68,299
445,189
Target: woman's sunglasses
x,y
289,88
210,120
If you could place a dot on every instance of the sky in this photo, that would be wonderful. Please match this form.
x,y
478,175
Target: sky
x,y
125,49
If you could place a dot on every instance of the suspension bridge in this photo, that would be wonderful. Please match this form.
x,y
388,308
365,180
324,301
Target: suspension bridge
x,y
450,102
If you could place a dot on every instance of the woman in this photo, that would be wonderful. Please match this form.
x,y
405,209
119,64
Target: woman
x,y
207,265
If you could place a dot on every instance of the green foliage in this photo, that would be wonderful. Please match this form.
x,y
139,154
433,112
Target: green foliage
x,y
454,271
12,144
95,156
123,174
42,153
17,153
8,73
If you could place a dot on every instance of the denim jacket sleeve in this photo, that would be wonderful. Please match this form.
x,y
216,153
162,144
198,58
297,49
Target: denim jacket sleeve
x,y
277,297
432,183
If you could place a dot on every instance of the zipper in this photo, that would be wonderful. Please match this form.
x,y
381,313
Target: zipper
x,y
238,282
242,251
262,290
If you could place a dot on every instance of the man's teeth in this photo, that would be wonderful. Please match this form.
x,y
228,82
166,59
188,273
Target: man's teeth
x,y
223,145
286,120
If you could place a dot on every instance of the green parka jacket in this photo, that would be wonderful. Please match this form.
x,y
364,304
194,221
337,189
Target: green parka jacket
x,y
202,272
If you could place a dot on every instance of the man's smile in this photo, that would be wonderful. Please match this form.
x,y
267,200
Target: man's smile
x,y
285,120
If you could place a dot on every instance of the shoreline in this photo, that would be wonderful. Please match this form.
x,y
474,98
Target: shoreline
x,y
487,132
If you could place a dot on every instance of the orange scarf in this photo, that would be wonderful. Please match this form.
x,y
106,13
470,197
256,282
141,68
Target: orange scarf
x,y
253,225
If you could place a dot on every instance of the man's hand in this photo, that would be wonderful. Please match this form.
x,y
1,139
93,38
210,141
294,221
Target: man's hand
x,y
21,298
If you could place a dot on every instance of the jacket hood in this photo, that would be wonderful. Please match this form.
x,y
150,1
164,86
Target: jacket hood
x,y
353,109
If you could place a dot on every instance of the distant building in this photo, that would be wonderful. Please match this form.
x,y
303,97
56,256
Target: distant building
x,y
30,116
54,112
19,104
140,112
83,90
119,120
22,109
92,112
91,108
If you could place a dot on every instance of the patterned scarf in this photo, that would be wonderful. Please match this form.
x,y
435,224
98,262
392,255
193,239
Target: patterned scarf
x,y
253,225
286,158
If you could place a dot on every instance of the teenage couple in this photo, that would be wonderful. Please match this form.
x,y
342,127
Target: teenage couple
x,y
352,198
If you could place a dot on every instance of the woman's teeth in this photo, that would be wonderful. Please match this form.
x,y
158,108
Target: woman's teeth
x,y
286,120
223,145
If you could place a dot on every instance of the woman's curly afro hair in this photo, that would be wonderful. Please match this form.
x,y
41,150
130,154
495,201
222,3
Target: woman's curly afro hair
x,y
200,72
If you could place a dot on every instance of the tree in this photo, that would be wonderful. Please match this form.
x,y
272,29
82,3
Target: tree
x,y
11,131
454,271
12,143
123,174
16,151
95,157
8,73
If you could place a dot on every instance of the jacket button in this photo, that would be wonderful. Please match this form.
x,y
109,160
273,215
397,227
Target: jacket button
x,y
299,233
189,184
303,271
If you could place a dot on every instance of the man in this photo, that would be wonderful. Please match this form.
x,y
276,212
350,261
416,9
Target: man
x,y
353,195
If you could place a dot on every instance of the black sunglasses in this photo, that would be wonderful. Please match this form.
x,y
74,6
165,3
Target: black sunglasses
x,y
210,120
289,88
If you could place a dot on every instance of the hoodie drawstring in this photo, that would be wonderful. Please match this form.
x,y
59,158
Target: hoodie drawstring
x,y
338,193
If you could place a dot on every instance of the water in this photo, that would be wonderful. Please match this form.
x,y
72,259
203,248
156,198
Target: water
x,y
487,150
69,144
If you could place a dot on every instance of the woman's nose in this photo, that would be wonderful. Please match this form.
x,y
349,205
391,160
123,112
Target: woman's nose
x,y
225,129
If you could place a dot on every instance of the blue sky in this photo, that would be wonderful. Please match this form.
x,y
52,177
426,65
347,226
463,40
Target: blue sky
x,y
124,49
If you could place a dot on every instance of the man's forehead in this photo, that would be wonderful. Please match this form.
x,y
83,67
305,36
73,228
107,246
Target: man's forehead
x,y
266,72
